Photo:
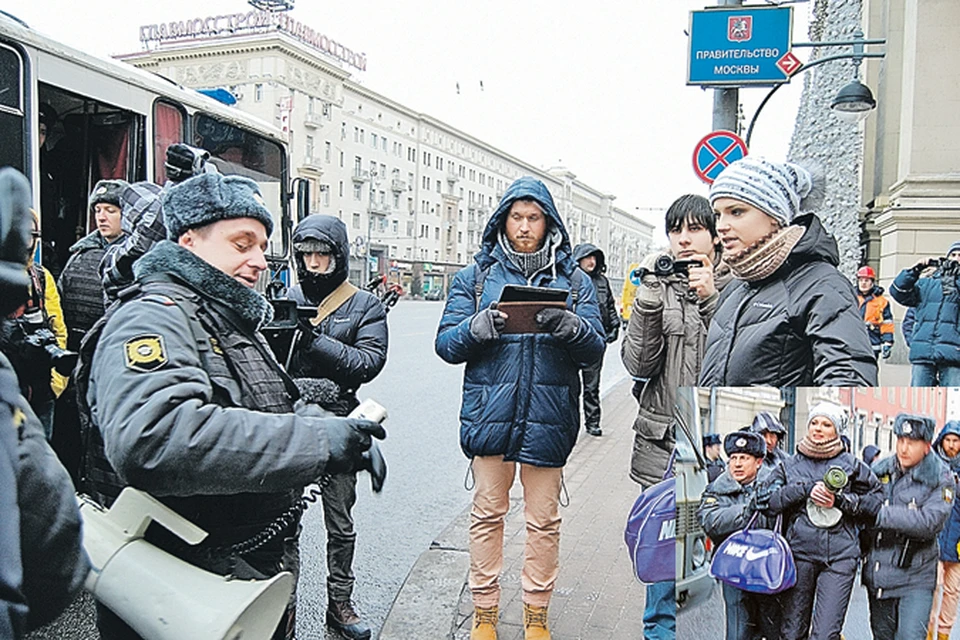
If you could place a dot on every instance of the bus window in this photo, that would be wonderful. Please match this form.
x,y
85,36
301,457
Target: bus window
x,y
236,151
168,120
12,121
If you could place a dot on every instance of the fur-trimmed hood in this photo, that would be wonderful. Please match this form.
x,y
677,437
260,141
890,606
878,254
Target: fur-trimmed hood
x,y
928,471
171,259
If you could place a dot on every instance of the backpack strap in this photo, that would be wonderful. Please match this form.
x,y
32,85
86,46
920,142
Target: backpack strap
x,y
575,281
479,275
334,301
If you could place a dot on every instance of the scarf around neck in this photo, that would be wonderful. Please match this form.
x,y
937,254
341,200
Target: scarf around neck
x,y
821,451
762,259
169,258
531,263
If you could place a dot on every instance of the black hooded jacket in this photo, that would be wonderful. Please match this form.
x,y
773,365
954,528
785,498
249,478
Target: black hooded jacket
x,y
798,327
350,345
608,308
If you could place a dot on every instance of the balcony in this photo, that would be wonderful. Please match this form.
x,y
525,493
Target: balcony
x,y
361,175
398,186
311,163
379,209
452,177
312,120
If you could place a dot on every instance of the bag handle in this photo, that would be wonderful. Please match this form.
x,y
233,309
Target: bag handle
x,y
668,473
753,520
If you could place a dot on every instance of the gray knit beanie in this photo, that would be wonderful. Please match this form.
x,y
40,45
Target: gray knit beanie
x,y
953,247
210,197
782,190
832,412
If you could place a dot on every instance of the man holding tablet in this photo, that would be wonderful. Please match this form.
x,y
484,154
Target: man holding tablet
x,y
521,389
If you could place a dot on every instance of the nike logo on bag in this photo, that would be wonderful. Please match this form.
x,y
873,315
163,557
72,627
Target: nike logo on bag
x,y
752,555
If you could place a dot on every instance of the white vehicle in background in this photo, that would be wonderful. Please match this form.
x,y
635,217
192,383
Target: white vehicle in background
x,y
694,583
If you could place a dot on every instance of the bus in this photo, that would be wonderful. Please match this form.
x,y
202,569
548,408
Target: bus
x,y
105,119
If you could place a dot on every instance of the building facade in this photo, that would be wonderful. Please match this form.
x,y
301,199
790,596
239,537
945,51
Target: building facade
x,y
414,192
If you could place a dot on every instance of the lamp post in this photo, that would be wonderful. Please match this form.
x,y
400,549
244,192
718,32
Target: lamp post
x,y
855,100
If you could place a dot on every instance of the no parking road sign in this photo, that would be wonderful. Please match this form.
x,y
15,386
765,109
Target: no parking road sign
x,y
714,152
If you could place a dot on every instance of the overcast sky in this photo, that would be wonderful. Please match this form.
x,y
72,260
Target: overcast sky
x,y
598,87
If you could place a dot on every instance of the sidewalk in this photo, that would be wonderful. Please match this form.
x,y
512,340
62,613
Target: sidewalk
x,y
596,595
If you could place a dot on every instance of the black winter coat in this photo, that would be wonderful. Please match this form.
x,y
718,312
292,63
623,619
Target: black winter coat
x,y
799,327
608,308
792,482
81,291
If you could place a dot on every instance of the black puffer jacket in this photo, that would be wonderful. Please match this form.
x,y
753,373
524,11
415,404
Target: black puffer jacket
x,y
793,481
350,345
798,327
608,308
81,291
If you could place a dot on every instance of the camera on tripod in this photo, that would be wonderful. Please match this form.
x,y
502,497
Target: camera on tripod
x,y
39,338
665,265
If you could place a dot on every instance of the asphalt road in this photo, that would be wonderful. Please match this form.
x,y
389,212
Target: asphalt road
x,y
424,490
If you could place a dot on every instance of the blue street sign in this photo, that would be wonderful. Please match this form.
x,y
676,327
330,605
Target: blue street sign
x,y
738,46
714,152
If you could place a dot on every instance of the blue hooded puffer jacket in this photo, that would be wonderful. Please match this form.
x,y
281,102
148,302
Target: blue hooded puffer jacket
x,y
950,535
521,392
935,338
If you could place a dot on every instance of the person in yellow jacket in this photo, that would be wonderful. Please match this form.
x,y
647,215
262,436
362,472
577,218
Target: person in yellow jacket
x,y
39,382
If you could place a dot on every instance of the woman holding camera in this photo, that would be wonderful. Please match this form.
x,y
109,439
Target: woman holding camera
x,y
935,340
791,318
823,494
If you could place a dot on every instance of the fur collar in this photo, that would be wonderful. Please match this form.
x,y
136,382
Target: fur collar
x,y
171,259
928,471
726,485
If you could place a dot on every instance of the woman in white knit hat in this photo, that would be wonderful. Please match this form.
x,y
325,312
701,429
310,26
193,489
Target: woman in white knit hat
x,y
791,318
824,494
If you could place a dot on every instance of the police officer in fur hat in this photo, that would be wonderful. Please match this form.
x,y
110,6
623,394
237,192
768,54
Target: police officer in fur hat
x,y
711,450
727,505
900,569
188,401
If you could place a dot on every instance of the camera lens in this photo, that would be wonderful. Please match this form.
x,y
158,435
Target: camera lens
x,y
663,266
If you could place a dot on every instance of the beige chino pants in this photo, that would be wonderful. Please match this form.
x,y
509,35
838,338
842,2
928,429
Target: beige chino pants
x,y
948,577
491,501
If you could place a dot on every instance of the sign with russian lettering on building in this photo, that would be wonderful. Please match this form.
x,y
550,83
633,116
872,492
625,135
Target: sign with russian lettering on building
x,y
739,46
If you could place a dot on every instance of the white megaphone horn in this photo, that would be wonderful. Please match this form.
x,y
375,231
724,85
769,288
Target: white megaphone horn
x,y
162,597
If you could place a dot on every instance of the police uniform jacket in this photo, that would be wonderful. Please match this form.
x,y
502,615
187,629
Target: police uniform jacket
x,y
791,483
81,290
725,505
916,504
191,405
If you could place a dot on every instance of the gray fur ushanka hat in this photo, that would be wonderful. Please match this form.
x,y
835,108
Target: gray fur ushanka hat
x,y
209,198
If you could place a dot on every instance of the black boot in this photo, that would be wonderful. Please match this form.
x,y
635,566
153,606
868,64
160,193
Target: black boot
x,y
594,430
342,616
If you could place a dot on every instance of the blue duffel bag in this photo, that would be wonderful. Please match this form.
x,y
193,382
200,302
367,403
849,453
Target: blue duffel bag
x,y
650,533
755,560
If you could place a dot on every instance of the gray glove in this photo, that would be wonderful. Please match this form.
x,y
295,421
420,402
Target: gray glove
x,y
562,324
349,438
487,324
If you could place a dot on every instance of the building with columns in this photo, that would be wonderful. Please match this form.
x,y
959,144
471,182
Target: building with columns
x,y
414,192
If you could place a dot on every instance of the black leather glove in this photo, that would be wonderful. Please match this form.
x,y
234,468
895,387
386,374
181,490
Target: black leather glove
x,y
184,161
870,506
562,324
374,463
761,498
15,240
349,438
487,324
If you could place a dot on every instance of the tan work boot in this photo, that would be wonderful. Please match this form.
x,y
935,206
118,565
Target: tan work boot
x,y
484,623
535,623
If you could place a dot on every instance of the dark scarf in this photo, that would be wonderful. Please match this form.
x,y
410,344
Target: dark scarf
x,y
821,451
169,258
531,263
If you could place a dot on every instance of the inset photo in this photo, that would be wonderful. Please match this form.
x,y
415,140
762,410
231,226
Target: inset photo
x,y
817,512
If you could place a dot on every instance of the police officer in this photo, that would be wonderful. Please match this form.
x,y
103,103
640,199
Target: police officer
x,y
192,406
727,505
711,450
900,568
348,348
772,431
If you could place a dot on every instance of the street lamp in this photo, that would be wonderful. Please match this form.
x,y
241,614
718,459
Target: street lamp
x,y
854,101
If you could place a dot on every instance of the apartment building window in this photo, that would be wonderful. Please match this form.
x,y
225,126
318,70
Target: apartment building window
x,y
357,164
395,225
459,236
383,170
439,164
327,111
361,136
258,92
310,104
327,149
341,188
393,251
309,145
396,200
374,140
325,194
407,252
436,233
357,191
409,228
356,134
356,221
438,186
343,130
383,144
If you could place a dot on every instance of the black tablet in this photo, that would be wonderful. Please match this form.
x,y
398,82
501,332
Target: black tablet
x,y
521,293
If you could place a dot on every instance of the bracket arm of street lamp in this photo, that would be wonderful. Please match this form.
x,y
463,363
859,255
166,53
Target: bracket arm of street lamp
x,y
806,67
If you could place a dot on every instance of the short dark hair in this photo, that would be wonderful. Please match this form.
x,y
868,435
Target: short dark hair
x,y
691,208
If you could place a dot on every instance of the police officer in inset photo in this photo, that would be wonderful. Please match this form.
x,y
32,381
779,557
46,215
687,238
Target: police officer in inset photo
x,y
900,566
191,404
711,450
771,430
727,505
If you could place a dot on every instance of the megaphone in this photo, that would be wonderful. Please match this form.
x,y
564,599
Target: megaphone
x,y
162,597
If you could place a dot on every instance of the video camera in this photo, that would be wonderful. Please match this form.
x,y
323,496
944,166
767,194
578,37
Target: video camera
x,y
665,265
36,338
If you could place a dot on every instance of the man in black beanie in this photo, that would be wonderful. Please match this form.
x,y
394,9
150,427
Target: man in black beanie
x,y
189,403
346,343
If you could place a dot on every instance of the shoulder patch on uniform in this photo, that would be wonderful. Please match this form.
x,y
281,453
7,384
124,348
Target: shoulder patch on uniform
x,y
215,345
145,353
948,494
158,298
709,500
885,479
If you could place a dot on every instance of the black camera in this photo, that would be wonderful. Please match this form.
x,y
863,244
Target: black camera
x,y
184,161
665,265
38,338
